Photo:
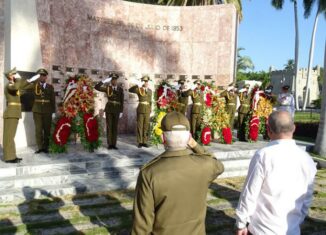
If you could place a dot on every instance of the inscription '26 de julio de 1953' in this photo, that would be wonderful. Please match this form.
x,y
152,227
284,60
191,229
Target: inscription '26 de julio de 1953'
x,y
164,27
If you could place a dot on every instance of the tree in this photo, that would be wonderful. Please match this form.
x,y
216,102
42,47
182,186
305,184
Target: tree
x,y
289,65
243,62
320,144
278,4
321,8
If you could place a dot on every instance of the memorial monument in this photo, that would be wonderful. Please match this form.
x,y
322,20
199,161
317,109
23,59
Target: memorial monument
x,y
101,36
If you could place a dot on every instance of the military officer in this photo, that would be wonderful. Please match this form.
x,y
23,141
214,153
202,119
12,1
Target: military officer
x,y
230,102
113,108
286,101
245,102
183,96
143,110
197,97
43,108
171,189
11,115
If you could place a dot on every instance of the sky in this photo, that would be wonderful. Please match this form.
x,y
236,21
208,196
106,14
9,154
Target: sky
x,y
267,34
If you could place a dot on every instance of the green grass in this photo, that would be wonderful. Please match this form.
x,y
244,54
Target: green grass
x,y
306,117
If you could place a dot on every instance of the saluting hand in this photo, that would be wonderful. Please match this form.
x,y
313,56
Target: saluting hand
x,y
243,231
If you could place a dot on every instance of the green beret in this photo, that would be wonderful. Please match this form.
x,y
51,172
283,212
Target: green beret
x,y
42,71
10,72
145,78
175,121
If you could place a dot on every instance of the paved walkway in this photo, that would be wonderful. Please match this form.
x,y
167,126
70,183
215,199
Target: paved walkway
x,y
111,212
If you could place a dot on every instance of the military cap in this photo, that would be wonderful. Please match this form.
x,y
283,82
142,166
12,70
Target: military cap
x,y
114,76
197,81
269,87
145,78
42,71
10,72
286,87
175,121
181,80
247,86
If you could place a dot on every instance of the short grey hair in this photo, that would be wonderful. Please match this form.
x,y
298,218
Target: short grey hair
x,y
280,122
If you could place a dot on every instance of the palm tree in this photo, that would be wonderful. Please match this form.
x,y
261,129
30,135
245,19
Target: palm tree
x,y
243,62
320,145
289,65
321,8
278,4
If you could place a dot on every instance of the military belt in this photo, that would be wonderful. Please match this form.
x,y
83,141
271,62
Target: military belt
x,y
14,103
231,103
246,105
197,103
181,104
42,101
144,102
113,102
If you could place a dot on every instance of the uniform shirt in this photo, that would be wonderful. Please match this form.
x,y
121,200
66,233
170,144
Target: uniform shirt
x,y
286,103
171,193
278,189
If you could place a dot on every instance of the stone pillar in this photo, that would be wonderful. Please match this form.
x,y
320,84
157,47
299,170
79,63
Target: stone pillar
x,y
22,50
2,55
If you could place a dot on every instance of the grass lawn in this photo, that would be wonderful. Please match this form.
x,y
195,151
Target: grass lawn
x,y
306,117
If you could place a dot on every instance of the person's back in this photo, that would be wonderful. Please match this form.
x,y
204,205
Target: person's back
x,y
171,192
283,191
279,185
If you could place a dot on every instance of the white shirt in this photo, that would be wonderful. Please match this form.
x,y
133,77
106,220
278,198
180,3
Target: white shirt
x,y
278,190
286,103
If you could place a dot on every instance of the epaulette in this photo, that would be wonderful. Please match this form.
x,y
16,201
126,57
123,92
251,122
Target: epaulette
x,y
151,162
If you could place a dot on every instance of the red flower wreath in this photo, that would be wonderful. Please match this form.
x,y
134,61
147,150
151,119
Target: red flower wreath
x,y
254,128
206,135
62,131
227,135
91,127
208,100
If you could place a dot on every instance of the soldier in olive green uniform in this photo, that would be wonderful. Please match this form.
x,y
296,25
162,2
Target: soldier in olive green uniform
x,y
183,97
230,103
171,189
113,108
143,111
43,108
245,102
11,115
197,97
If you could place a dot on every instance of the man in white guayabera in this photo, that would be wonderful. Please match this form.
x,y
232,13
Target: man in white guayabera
x,y
279,185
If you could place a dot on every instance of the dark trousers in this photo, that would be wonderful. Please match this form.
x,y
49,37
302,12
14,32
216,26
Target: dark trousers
x,y
42,123
142,127
9,132
112,120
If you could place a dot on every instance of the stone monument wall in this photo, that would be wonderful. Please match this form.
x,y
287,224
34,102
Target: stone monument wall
x,y
2,55
99,36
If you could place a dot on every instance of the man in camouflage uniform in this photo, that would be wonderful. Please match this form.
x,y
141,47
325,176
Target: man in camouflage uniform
x,y
11,115
113,108
171,189
245,102
43,108
230,103
143,110
197,97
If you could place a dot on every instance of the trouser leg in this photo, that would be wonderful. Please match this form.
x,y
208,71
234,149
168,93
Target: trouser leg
x,y
114,134
47,120
9,132
140,125
38,129
146,127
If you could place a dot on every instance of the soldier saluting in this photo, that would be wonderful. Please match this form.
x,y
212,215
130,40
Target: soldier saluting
x,y
245,101
43,108
113,108
197,97
143,110
183,96
231,102
11,115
